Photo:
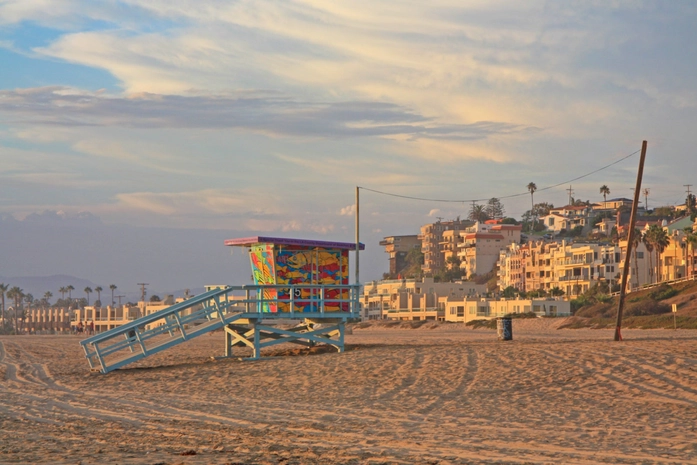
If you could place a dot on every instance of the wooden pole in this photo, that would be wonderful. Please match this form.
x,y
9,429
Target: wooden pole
x,y
630,240
357,237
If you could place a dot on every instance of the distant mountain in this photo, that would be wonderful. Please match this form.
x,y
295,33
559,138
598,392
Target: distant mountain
x,y
37,286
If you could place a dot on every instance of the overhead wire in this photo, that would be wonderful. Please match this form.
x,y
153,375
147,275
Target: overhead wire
x,y
391,194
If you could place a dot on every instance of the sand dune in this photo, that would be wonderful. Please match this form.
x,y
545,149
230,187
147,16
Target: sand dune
x,y
447,395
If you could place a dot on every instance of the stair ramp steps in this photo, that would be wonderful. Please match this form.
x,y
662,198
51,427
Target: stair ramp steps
x,y
208,312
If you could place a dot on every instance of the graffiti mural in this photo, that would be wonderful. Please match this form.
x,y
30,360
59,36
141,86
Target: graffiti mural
x,y
318,266
263,271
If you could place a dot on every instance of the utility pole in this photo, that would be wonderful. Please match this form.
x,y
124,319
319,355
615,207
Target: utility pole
x,y
630,239
119,297
570,193
688,188
142,293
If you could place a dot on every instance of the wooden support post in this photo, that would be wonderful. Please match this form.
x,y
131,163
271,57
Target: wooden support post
x,y
630,239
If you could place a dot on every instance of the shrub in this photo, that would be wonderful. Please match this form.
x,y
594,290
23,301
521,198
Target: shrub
x,y
663,292
648,307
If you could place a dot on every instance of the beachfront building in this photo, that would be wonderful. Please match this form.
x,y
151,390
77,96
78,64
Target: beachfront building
x,y
411,299
431,237
571,267
472,308
38,320
398,247
511,267
481,245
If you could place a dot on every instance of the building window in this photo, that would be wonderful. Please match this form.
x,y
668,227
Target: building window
x,y
460,311
640,255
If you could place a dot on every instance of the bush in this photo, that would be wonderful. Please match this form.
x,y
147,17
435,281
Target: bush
x,y
663,292
648,307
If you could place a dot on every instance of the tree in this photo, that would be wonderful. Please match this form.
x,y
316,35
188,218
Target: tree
x,y
532,187
17,295
113,288
47,298
88,291
690,242
70,289
635,244
3,289
62,291
478,213
646,192
661,240
494,208
510,292
155,298
99,290
605,191
691,204
648,243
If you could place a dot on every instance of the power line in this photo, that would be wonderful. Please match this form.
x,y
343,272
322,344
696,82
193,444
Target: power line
x,y
503,197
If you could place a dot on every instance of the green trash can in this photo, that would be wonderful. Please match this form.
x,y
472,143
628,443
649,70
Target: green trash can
x,y
504,328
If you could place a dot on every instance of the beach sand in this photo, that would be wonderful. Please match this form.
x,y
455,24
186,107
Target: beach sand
x,y
434,395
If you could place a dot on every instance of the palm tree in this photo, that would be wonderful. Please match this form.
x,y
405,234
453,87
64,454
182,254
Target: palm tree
x,y
113,288
605,191
647,191
88,291
47,298
63,290
690,241
635,244
661,241
647,238
17,295
70,288
3,288
532,187
99,290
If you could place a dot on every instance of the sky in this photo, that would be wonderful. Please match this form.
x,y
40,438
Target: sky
x,y
264,116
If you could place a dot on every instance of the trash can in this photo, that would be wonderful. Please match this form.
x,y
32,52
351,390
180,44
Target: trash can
x,y
504,329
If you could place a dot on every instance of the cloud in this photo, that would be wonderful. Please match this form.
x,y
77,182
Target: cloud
x,y
348,211
272,115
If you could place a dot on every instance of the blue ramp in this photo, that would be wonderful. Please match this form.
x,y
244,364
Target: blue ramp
x,y
161,330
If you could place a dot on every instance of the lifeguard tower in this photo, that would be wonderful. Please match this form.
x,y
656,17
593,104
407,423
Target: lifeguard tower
x,y
298,281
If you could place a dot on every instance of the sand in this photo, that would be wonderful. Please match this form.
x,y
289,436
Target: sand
x,y
445,395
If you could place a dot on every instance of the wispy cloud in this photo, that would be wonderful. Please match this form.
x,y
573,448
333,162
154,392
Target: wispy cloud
x,y
271,115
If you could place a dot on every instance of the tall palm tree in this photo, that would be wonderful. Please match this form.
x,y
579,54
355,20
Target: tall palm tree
x,y
605,191
70,289
88,291
661,242
47,298
99,290
635,244
646,193
647,239
113,288
3,289
690,242
532,187
17,295
62,291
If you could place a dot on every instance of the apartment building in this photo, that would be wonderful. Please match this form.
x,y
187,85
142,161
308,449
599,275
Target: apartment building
x,y
472,308
411,299
481,245
431,237
574,267
398,247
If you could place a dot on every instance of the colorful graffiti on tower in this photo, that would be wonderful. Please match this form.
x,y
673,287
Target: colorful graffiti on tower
x,y
298,265
262,258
